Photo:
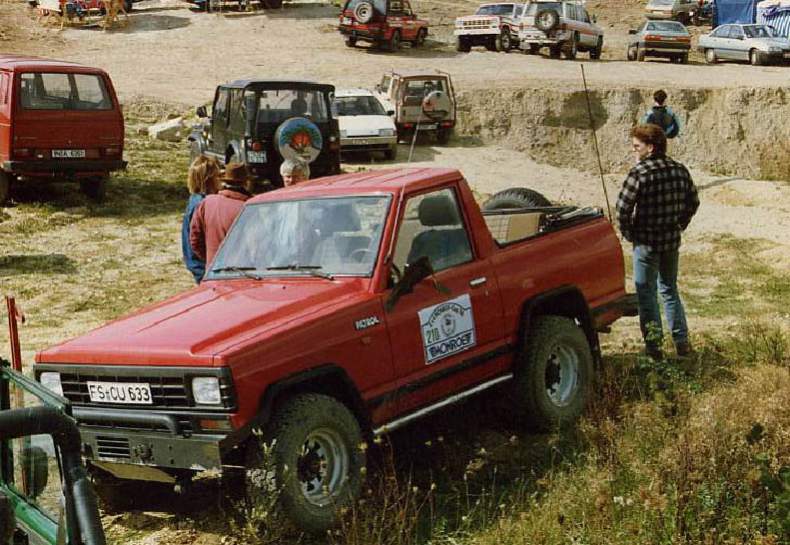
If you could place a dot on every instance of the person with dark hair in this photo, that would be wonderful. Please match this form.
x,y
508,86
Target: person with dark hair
x,y
655,205
662,115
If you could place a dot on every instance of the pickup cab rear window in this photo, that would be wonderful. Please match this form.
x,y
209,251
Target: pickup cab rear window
x,y
59,91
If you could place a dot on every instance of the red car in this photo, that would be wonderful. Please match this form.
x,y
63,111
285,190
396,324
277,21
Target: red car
x,y
385,23
340,309
58,120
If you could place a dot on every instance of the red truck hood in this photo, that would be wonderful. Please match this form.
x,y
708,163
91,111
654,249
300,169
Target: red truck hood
x,y
199,326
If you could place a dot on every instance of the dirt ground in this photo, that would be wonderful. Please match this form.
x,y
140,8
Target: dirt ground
x,y
170,54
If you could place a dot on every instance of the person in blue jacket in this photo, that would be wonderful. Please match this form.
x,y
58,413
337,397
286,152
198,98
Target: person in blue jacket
x,y
662,115
203,179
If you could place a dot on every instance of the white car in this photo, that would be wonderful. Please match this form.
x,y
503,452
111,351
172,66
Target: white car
x,y
757,44
364,123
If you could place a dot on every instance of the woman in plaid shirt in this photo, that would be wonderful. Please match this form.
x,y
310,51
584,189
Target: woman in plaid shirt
x,y
656,204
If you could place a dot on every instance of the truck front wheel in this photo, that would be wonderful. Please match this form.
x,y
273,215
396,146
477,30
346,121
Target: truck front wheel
x,y
5,187
554,375
95,187
312,448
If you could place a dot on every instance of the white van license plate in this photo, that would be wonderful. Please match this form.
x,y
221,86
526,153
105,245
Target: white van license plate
x,y
256,156
137,393
68,153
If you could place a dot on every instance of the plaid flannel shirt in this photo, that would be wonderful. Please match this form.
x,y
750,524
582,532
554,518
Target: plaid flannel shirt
x,y
656,203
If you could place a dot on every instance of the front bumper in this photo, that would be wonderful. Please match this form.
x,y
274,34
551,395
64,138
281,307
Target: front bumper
x,y
66,167
489,32
368,143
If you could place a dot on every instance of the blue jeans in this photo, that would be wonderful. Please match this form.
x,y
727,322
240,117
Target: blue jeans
x,y
657,272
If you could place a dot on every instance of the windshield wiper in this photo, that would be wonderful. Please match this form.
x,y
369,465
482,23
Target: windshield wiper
x,y
312,270
243,270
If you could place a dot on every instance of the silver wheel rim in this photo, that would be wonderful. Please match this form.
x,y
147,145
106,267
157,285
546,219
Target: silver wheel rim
x,y
710,55
562,375
322,466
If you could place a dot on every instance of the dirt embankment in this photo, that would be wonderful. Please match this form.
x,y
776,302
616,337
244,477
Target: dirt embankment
x,y
739,131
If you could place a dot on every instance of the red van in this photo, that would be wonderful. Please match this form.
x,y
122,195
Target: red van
x,y
58,120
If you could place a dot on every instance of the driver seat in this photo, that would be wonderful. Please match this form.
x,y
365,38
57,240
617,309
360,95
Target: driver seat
x,y
447,244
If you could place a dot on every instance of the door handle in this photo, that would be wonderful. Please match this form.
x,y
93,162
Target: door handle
x,y
478,281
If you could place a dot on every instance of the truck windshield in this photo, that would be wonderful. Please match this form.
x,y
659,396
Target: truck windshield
x,y
359,105
59,91
277,105
495,9
320,236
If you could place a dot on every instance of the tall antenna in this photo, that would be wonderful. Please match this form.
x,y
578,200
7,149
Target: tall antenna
x,y
595,141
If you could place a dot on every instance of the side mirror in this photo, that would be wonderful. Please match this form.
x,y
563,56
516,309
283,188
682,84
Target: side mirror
x,y
251,119
390,112
632,31
7,520
201,111
378,87
35,465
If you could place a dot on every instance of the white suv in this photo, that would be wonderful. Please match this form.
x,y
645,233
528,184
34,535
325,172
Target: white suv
x,y
365,126
562,26
494,26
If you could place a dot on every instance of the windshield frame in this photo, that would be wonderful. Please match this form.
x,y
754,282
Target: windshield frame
x,y
267,273
491,9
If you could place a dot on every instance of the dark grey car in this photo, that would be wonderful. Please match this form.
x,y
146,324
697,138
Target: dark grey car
x,y
666,39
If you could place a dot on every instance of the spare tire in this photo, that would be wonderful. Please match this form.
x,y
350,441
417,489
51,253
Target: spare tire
x,y
547,19
516,197
298,137
436,105
363,12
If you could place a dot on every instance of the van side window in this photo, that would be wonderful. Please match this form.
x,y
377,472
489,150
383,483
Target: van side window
x,y
91,92
236,110
220,111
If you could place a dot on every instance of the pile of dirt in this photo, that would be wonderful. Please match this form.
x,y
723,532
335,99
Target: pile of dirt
x,y
725,131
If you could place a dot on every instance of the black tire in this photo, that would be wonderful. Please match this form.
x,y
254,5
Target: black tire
x,y
505,42
631,54
547,20
351,41
394,42
95,187
755,58
572,48
311,434
710,56
443,135
516,197
421,35
391,153
5,187
462,45
684,58
555,51
595,52
640,54
554,374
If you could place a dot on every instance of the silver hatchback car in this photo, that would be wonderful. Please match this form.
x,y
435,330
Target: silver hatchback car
x,y
758,44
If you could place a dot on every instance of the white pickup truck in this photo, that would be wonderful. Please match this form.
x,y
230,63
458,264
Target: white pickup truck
x,y
494,26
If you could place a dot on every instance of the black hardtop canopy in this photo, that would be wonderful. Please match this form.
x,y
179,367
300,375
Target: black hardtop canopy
x,y
279,84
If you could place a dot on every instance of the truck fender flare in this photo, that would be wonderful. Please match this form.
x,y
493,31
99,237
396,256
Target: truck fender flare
x,y
326,379
565,301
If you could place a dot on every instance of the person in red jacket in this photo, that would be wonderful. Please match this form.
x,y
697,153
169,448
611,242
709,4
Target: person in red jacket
x,y
216,213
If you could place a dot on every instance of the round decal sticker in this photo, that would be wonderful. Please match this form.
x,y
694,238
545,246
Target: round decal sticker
x,y
298,137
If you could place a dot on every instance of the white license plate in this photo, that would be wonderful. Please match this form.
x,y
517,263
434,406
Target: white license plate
x,y
137,393
346,20
256,156
428,126
68,153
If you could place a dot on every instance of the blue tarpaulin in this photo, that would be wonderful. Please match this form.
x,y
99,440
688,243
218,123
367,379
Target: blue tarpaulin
x,y
734,11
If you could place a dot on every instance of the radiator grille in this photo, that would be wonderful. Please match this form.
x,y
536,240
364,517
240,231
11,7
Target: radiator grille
x,y
113,447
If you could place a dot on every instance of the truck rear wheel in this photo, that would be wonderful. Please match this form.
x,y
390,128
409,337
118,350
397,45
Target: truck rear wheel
x,y
516,197
316,458
554,375
95,187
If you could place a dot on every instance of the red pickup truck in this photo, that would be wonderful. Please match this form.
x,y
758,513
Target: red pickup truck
x,y
340,309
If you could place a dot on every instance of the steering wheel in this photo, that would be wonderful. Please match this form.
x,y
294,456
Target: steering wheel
x,y
359,254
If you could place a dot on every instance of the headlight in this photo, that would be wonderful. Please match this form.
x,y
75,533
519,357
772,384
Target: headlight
x,y
386,132
51,381
205,390
459,24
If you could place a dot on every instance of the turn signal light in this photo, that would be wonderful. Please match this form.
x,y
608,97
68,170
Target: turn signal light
x,y
408,125
23,152
447,123
112,151
256,146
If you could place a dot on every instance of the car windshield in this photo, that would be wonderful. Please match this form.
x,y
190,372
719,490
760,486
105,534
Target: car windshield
x,y
57,91
666,26
535,7
758,31
380,6
359,105
316,237
495,9
277,105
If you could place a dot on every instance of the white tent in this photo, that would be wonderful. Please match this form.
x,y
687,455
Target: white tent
x,y
775,13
